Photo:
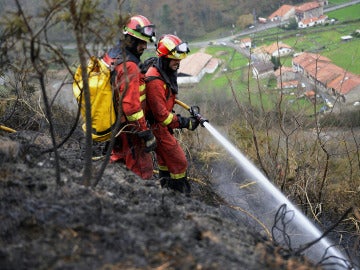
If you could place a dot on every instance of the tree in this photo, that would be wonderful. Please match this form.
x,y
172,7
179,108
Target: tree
x,y
276,61
166,17
31,54
245,20
292,25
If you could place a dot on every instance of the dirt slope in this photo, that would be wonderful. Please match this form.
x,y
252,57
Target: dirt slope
x,y
123,223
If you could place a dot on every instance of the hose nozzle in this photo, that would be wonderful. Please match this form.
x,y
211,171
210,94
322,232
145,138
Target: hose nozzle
x,y
195,111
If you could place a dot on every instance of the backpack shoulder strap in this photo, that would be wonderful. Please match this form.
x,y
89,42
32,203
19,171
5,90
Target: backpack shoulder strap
x,y
147,64
153,74
151,78
154,77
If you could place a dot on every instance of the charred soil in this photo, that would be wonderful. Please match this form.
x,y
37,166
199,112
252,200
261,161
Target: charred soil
x,y
122,223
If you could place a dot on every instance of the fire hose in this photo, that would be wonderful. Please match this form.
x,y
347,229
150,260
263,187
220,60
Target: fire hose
x,y
7,129
194,111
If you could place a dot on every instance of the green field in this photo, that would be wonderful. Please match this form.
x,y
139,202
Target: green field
x,y
346,56
345,14
336,2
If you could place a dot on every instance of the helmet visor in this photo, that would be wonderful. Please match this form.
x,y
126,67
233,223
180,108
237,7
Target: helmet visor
x,y
180,51
181,48
148,30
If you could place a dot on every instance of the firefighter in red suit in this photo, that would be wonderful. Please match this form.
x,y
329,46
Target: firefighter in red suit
x,y
135,141
161,91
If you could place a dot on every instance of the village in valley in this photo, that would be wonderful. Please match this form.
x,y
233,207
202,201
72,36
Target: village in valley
x,y
311,74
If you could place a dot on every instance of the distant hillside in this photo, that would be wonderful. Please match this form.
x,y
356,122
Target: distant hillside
x,y
189,19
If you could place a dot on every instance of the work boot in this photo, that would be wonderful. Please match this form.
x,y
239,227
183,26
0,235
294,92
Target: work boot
x,y
182,185
163,173
164,177
164,182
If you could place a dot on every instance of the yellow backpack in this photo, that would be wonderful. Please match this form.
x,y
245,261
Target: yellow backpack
x,y
103,115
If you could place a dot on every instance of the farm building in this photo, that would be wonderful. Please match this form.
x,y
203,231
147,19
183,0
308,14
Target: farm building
x,y
284,13
276,49
194,67
309,10
328,77
262,69
307,14
284,74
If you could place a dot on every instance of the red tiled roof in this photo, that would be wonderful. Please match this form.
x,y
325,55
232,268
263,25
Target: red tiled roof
x,y
307,6
344,83
212,64
310,93
329,74
305,59
324,72
245,40
313,19
283,10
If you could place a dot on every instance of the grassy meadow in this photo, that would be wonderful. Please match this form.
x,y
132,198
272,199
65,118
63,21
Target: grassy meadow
x,y
345,14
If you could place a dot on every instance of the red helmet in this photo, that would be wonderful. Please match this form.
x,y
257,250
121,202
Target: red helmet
x,y
140,27
170,46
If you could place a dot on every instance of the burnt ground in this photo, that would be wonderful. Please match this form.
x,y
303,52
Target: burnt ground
x,y
122,223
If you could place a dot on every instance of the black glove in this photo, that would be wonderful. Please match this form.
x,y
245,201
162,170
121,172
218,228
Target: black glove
x,y
190,123
149,139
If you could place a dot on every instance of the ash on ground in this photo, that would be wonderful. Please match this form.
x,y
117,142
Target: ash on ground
x,y
123,222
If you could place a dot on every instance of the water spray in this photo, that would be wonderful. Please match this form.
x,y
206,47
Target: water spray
x,y
301,230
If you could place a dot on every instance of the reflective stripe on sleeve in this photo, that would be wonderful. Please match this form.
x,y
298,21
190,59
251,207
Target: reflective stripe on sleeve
x,y
168,119
135,116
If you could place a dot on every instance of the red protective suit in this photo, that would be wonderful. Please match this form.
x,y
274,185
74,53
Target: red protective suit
x,y
160,102
129,148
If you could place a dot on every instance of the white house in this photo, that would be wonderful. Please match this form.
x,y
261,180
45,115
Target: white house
x,y
279,49
245,43
276,49
312,21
